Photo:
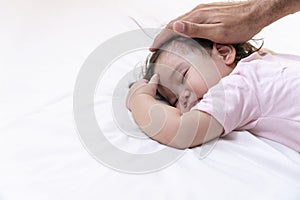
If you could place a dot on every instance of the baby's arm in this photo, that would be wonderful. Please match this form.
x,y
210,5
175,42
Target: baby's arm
x,y
165,123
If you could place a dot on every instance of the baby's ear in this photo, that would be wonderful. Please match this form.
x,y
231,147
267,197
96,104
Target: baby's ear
x,y
227,52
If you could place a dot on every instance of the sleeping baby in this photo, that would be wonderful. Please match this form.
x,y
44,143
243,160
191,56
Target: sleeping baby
x,y
213,89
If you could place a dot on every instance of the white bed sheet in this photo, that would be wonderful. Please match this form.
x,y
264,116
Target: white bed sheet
x,y
43,47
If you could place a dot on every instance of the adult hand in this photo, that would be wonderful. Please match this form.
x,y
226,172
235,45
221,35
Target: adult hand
x,y
230,22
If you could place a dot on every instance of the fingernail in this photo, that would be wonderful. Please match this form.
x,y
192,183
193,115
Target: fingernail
x,y
179,27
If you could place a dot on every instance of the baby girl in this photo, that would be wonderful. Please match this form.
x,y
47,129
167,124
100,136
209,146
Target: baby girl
x,y
213,89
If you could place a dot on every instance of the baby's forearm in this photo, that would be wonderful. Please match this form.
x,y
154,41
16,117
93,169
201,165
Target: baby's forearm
x,y
157,120
168,126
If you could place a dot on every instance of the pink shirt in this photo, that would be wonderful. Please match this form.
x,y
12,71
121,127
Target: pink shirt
x,y
260,95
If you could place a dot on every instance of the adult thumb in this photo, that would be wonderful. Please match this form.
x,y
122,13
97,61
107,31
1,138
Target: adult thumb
x,y
189,29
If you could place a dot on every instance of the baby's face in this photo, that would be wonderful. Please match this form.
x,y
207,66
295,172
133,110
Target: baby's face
x,y
185,78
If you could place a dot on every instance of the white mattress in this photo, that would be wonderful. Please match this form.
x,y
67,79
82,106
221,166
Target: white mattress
x,y
44,45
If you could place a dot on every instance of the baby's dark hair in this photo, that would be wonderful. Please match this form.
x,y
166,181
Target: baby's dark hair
x,y
243,50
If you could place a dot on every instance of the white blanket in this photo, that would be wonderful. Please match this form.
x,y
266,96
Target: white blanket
x,y
44,45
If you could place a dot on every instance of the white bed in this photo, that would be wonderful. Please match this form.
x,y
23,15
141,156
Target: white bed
x,y
44,45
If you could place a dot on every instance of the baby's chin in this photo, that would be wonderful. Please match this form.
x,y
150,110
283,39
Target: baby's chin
x,y
189,106
195,103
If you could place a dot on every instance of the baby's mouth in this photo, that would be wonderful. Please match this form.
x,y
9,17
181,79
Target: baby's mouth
x,y
194,103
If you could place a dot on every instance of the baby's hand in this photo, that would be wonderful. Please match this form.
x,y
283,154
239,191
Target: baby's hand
x,y
142,87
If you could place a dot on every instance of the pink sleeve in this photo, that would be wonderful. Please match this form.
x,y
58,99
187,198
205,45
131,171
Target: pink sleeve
x,y
233,103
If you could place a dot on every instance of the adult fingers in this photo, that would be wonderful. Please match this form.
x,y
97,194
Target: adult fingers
x,y
161,38
190,29
167,32
218,5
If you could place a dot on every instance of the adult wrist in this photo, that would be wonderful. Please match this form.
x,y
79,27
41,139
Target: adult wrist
x,y
265,12
255,15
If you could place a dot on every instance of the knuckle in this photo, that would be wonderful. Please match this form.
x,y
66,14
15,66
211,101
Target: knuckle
x,y
220,33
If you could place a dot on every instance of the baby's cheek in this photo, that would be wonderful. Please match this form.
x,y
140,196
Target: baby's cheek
x,y
198,86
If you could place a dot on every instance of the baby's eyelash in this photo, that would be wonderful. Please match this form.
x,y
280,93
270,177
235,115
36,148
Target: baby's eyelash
x,y
183,75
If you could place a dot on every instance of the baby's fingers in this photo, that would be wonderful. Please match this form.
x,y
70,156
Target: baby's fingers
x,y
154,79
135,89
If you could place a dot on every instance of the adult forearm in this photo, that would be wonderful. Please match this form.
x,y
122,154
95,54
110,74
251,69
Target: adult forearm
x,y
265,12
227,22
